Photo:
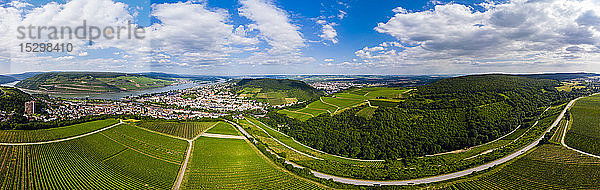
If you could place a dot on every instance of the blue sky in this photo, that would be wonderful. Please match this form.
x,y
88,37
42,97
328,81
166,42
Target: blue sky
x,y
230,37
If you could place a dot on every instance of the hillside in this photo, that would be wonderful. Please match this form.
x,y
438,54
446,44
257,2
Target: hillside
x,y
12,99
447,115
6,79
277,91
90,82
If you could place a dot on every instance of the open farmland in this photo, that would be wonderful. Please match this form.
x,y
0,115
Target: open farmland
x,y
234,164
20,136
187,130
341,101
90,162
151,144
223,128
546,167
584,133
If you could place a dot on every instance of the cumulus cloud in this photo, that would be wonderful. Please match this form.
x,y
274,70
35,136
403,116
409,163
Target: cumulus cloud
x,y
195,35
73,14
274,25
277,30
517,32
328,33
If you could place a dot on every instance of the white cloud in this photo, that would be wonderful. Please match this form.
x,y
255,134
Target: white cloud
x,y
342,14
517,32
274,25
19,4
99,13
195,35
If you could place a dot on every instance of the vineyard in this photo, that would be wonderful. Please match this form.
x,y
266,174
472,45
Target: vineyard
x,y
342,101
547,167
151,144
235,164
91,162
19,136
584,133
223,128
187,130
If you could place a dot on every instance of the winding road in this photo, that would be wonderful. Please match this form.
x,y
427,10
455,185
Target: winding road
x,y
445,176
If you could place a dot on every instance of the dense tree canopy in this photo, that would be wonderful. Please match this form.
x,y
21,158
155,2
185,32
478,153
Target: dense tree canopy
x,y
447,115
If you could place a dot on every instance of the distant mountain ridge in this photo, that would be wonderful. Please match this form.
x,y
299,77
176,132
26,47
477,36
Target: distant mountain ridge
x,y
91,82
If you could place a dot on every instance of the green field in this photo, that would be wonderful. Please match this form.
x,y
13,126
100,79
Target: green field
x,y
584,133
91,162
235,164
16,136
367,112
148,143
546,167
224,128
300,116
187,130
129,83
345,100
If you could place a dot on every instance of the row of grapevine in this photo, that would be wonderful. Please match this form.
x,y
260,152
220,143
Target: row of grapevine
x,y
187,130
235,164
19,136
584,133
223,128
148,143
91,162
548,167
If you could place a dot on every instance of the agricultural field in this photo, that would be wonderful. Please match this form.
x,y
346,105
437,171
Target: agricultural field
x,y
90,162
546,167
235,164
273,98
187,130
584,133
381,92
129,83
19,136
345,100
556,138
151,144
223,128
301,116
569,86
366,112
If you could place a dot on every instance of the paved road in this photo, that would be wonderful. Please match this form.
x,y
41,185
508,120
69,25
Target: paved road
x,y
60,140
446,176
223,136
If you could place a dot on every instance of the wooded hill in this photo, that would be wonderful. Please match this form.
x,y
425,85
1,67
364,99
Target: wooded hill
x,y
90,82
12,99
447,115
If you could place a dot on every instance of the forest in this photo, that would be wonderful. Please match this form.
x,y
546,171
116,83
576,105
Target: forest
x,y
449,114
